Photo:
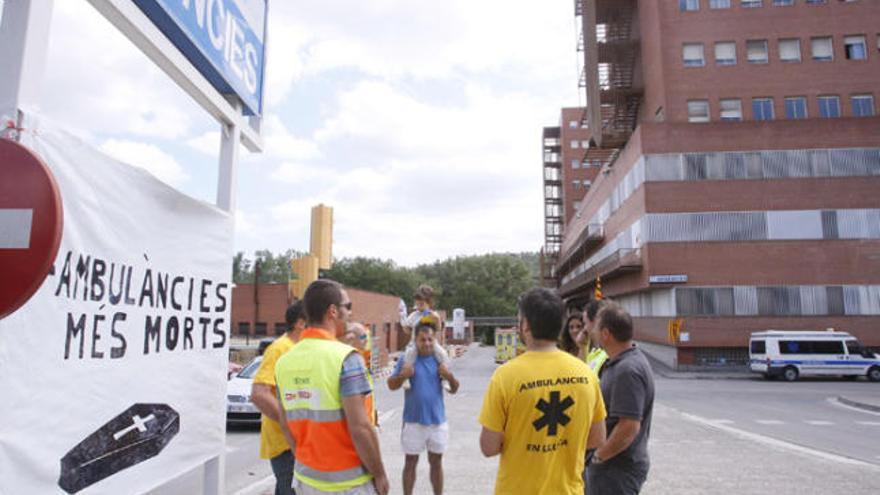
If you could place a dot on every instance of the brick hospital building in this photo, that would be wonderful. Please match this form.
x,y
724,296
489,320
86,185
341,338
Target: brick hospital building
x,y
725,172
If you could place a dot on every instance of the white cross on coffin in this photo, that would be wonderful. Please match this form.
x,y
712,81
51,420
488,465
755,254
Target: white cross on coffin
x,y
15,228
138,423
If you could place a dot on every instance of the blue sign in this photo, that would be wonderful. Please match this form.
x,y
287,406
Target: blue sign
x,y
223,39
667,279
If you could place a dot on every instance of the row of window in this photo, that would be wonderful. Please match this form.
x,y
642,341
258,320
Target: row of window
x,y
778,301
795,108
782,300
577,185
757,51
694,5
576,164
790,164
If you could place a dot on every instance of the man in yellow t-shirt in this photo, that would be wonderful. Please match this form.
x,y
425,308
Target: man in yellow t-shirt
x,y
543,410
273,445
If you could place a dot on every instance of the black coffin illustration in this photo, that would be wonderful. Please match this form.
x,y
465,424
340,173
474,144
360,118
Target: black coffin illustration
x,y
137,434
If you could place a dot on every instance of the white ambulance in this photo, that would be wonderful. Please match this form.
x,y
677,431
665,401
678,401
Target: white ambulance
x,y
791,354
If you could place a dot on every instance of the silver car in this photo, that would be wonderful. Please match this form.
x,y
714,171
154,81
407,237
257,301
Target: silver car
x,y
239,408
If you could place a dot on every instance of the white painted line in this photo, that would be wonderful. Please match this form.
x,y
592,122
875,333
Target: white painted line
x,y
781,444
385,416
721,421
869,423
15,228
836,403
815,422
258,486
769,422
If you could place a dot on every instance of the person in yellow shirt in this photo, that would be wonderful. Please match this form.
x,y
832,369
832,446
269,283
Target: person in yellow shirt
x,y
273,445
542,410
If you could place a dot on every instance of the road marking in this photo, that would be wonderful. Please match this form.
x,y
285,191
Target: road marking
x,y
782,444
385,416
769,422
815,422
15,228
722,421
869,423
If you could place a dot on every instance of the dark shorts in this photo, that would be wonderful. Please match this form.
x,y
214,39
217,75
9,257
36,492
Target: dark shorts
x,y
605,479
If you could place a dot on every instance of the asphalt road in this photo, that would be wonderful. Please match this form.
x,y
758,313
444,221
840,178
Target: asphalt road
x,y
708,436
805,413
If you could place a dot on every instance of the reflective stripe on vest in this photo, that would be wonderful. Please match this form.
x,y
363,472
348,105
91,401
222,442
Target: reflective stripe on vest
x,y
596,359
330,477
308,387
316,416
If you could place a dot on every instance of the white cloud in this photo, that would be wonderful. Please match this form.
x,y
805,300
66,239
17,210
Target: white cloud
x,y
208,143
149,157
283,144
429,148
244,223
425,38
98,80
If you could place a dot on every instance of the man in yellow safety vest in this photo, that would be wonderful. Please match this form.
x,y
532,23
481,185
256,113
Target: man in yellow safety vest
x,y
322,385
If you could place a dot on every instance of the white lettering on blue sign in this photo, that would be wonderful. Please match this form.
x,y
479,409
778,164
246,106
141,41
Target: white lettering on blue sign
x,y
667,279
223,39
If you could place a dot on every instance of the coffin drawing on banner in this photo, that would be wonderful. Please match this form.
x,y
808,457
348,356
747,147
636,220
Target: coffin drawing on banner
x,y
134,436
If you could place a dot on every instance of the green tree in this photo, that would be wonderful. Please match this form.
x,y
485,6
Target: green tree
x,y
242,271
374,274
273,268
485,285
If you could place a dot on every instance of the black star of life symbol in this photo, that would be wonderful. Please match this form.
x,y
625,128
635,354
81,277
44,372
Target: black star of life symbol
x,y
554,413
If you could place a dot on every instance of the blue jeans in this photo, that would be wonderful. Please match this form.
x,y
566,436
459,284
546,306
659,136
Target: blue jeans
x,y
282,466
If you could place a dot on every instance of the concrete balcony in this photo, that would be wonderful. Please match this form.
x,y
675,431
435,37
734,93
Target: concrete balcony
x,y
618,263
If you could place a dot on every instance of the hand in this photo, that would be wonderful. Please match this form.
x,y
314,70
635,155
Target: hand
x,y
582,338
382,485
443,371
407,371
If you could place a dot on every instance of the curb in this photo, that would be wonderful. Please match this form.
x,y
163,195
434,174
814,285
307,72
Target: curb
x,y
859,405
665,371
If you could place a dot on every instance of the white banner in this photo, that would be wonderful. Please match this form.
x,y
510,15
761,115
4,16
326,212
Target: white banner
x,y
113,375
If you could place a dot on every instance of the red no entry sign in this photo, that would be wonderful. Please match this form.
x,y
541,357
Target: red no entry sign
x,y
30,224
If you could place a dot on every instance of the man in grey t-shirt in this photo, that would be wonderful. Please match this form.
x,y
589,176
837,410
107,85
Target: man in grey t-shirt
x,y
620,465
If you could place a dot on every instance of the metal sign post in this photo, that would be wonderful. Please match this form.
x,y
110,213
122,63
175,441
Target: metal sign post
x,y
24,39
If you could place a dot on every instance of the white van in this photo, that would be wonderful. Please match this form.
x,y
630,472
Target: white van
x,y
791,354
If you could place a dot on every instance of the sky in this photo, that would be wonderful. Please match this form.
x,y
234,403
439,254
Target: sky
x,y
418,121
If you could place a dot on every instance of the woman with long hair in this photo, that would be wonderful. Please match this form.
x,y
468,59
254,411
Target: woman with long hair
x,y
568,338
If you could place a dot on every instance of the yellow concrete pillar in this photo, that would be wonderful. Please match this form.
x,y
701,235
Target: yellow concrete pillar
x,y
304,271
322,235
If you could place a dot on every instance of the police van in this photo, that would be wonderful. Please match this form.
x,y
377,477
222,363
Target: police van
x,y
791,354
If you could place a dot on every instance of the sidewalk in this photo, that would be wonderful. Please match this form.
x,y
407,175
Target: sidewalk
x,y
867,403
665,371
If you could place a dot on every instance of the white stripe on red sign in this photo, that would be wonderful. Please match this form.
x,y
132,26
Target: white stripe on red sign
x,y
15,228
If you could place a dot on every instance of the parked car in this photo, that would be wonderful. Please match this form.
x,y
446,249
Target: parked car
x,y
239,408
264,343
232,369
792,354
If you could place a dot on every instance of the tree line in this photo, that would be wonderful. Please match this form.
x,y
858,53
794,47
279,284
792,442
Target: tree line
x,y
484,285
